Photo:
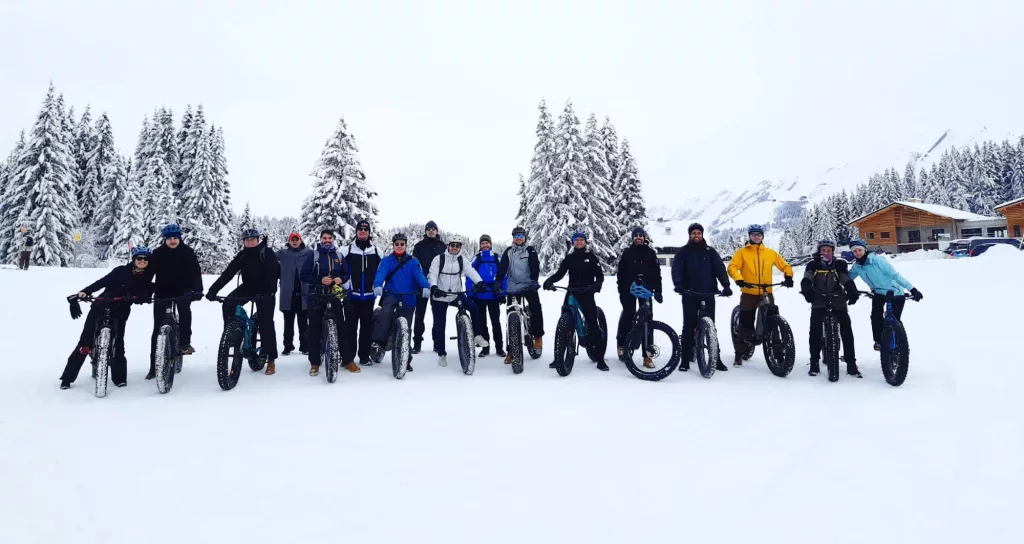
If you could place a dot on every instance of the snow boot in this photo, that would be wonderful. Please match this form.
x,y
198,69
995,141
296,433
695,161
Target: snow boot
x,y
851,369
538,343
408,366
508,359
188,350
122,384
480,342
648,363
500,352
815,369
442,360
738,361
552,365
365,362
720,366
484,352
353,367
622,354
314,370
271,369
603,367
150,375
64,384
878,346
288,350
416,345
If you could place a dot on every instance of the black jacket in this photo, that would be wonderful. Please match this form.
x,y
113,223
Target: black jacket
x,y
426,249
362,260
259,267
636,261
697,266
177,271
122,281
584,270
826,278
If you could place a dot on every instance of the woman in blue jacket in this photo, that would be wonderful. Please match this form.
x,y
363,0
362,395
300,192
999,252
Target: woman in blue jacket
x,y
486,264
881,277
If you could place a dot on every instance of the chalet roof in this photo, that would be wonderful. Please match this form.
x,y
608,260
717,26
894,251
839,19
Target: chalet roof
x,y
1010,203
934,209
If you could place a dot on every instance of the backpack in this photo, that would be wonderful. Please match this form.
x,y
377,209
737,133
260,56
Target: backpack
x,y
440,269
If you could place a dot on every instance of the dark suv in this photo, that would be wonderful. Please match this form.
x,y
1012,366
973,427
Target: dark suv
x,y
972,247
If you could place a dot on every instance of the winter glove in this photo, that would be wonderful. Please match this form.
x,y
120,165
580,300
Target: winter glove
x,y
726,291
495,288
549,286
196,296
808,296
433,291
597,287
851,292
788,282
74,307
479,288
426,292
211,296
742,284
916,295
658,297
534,286
378,291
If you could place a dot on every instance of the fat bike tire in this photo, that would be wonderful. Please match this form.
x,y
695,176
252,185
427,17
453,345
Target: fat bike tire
x,y
746,355
229,356
895,362
330,356
400,347
376,356
164,364
831,346
565,345
778,347
515,343
103,347
467,353
634,357
706,350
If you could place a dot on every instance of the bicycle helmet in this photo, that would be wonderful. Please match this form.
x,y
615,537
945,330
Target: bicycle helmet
x,y
456,239
142,251
858,242
251,232
695,226
399,237
755,228
171,231
518,230
828,243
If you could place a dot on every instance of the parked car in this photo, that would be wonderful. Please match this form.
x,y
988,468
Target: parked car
x,y
972,247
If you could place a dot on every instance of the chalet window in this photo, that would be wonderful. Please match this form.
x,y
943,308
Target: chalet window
x,y
997,232
914,236
1016,231
871,236
885,235
969,233
936,233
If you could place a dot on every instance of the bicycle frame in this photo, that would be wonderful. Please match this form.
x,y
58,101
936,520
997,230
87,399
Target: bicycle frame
x,y
890,317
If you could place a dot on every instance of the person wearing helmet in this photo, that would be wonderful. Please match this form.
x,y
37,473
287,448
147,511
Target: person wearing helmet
x,y
323,271
752,265
697,267
260,271
292,302
424,251
447,273
881,277
362,258
399,272
486,264
827,275
638,264
518,271
129,280
176,273
584,273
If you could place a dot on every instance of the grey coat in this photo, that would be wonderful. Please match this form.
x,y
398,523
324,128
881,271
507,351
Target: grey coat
x,y
291,264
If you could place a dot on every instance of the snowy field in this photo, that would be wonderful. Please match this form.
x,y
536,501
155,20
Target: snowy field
x,y
494,457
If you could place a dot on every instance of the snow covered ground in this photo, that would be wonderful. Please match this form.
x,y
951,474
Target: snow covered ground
x,y
594,457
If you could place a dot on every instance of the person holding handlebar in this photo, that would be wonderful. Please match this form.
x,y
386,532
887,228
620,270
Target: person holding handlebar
x,y
881,277
326,272
585,279
751,267
695,269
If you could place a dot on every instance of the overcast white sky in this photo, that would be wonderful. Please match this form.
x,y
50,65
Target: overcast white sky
x,y
442,95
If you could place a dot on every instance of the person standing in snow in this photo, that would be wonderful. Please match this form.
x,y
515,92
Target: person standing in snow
x,y
260,271
293,302
129,280
362,258
399,272
486,264
585,274
518,271
424,251
751,265
881,277
446,274
696,267
828,275
327,275
25,255
639,263
176,273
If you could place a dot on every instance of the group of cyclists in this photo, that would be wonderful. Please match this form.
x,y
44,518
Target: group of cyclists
x,y
305,280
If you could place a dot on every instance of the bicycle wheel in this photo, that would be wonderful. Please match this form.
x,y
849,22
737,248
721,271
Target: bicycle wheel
x,y
103,347
661,346
598,339
735,335
515,346
229,356
330,356
779,351
164,362
400,347
464,331
831,347
705,344
376,355
565,344
895,353
256,361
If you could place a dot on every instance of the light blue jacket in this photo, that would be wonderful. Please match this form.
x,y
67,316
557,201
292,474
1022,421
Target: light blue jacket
x,y
880,276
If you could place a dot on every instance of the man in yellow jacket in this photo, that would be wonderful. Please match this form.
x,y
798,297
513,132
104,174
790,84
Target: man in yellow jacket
x,y
752,265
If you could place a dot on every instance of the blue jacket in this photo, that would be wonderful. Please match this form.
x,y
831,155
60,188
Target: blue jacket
x,y
408,279
486,264
320,264
879,274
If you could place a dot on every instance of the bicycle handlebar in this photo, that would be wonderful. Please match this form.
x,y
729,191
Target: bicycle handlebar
x,y
687,292
575,289
766,285
101,299
175,299
242,300
397,294
872,294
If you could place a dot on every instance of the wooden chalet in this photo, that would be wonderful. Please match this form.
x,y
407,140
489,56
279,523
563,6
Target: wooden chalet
x,y
911,225
1014,213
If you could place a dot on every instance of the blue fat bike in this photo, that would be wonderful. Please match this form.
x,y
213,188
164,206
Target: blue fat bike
x,y
571,327
894,346
240,340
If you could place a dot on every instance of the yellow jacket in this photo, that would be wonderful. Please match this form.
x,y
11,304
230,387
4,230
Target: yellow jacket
x,y
753,264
